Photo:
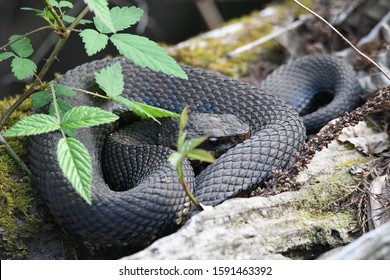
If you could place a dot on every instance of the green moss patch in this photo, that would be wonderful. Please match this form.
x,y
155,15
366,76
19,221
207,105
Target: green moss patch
x,y
15,193
209,52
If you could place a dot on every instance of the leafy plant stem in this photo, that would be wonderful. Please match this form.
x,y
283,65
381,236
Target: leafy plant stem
x,y
35,83
24,36
45,68
185,186
32,88
56,109
56,17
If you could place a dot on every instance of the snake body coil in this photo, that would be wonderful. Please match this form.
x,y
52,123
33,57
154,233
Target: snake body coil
x,y
157,205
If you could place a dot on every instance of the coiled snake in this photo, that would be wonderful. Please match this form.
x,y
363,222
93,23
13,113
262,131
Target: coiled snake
x,y
157,205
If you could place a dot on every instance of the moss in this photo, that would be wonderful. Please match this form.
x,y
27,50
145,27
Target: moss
x,y
328,187
288,8
353,162
210,52
15,192
347,147
332,193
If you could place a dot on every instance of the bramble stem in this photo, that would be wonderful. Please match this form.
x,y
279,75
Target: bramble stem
x,y
24,36
36,82
44,69
53,12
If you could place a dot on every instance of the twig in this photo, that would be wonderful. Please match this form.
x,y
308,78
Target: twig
x,y
267,38
345,39
23,36
14,156
53,12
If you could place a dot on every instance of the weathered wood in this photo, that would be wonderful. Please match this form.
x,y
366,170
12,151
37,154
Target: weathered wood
x,y
374,245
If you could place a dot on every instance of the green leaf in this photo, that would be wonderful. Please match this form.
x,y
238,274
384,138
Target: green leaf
x,y
75,162
191,144
122,18
40,99
65,4
201,155
85,116
62,90
41,13
125,17
102,12
22,47
175,158
23,67
155,111
93,41
70,19
146,53
31,9
31,125
110,79
181,140
63,107
183,118
54,3
5,55
70,132
145,111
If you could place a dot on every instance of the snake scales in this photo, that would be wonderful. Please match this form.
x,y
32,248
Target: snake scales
x,y
157,205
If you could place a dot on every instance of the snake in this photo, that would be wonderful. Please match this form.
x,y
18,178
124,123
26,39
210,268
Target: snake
x,y
155,204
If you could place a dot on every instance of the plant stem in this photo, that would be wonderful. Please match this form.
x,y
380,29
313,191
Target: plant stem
x,y
55,104
24,36
35,83
185,186
56,109
57,18
44,69
33,86
14,156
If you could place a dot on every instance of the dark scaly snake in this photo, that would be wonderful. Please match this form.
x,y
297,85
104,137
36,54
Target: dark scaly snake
x,y
157,205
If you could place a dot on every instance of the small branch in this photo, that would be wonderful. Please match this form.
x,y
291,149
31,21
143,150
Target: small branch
x,y
53,12
25,35
344,38
78,18
14,156
56,108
